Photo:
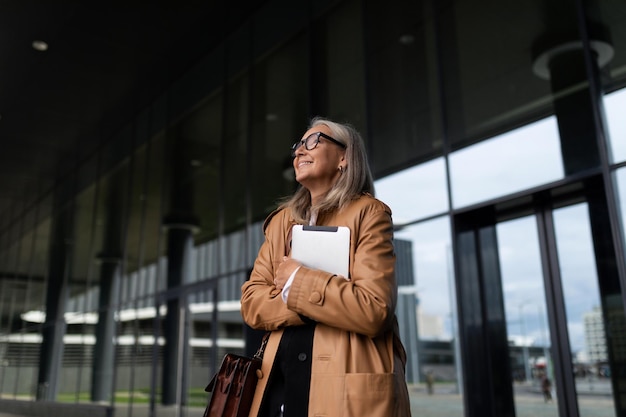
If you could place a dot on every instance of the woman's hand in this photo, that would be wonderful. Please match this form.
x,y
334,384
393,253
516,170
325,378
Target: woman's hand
x,y
284,271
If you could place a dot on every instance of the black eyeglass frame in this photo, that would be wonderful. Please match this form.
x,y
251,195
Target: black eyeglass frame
x,y
304,141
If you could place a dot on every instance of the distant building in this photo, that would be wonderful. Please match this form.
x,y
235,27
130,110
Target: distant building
x,y
595,338
430,326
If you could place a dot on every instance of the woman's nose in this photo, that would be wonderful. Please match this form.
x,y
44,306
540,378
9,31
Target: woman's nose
x,y
300,151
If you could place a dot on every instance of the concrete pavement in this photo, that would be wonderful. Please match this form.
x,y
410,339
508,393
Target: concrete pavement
x,y
443,403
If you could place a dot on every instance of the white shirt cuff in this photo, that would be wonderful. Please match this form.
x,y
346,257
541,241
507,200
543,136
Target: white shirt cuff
x,y
285,293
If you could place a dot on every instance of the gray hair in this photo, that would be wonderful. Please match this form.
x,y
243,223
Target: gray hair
x,y
356,178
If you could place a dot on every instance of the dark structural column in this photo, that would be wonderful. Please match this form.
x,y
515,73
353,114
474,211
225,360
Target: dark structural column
x,y
482,326
559,57
610,290
110,262
179,246
180,223
54,327
104,350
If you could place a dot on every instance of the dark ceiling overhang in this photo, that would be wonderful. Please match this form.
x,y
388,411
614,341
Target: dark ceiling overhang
x,y
104,63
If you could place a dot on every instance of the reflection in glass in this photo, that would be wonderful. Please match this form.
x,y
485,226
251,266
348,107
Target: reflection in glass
x,y
620,181
425,274
430,242
430,258
402,97
525,310
342,63
583,308
204,349
514,161
416,192
614,105
276,119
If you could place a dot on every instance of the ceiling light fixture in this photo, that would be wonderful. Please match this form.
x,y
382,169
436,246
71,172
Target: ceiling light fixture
x,y
406,39
40,45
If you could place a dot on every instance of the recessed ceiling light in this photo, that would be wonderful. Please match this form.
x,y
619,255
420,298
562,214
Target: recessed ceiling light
x,y
39,45
406,39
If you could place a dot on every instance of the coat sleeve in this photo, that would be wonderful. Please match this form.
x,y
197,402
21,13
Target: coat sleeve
x,y
366,303
261,304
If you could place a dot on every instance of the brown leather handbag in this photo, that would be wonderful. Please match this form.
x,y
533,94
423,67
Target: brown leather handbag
x,y
234,383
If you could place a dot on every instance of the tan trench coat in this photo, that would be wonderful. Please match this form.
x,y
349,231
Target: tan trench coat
x,y
358,360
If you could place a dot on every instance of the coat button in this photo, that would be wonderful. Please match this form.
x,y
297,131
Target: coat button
x,y
302,357
315,297
259,374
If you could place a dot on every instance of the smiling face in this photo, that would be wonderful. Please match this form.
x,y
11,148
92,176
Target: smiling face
x,y
318,169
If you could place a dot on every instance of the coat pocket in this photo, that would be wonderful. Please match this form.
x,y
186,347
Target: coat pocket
x,y
369,395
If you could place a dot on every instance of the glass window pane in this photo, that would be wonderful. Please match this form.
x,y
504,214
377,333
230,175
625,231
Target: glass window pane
x,y
344,64
517,160
585,318
426,249
426,313
235,147
526,319
488,82
401,84
614,105
198,142
620,180
205,352
416,192
431,256
21,324
610,15
278,115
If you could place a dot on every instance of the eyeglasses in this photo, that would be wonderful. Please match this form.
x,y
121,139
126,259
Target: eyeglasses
x,y
311,141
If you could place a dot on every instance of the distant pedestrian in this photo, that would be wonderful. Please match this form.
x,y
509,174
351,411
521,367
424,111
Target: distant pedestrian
x,y
430,381
546,388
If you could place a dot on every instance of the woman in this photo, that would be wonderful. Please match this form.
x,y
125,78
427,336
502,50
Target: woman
x,y
334,348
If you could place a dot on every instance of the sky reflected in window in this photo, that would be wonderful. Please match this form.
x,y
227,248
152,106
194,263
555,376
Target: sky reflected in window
x,y
434,282
517,160
614,105
415,193
620,178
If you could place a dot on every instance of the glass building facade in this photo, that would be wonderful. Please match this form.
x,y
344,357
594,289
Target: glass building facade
x,y
496,134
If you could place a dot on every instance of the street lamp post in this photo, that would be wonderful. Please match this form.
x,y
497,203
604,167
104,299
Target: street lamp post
x,y
544,341
524,343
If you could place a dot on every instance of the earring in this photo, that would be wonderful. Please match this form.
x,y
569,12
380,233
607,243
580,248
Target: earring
x,y
340,169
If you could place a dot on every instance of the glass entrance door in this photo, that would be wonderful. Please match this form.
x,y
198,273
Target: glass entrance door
x,y
541,310
522,257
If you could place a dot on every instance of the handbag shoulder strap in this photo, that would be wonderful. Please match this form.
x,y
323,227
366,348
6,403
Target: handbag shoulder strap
x,y
261,350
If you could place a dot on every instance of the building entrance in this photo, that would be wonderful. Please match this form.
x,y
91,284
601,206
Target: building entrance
x,y
526,288
540,301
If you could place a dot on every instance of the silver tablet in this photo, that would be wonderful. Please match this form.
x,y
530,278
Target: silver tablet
x,y
322,247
